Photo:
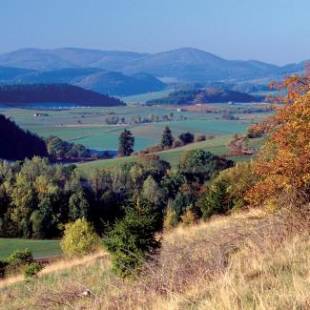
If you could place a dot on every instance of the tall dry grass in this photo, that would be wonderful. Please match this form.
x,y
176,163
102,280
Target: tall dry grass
x,y
244,261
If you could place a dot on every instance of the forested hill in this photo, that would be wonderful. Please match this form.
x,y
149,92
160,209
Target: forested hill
x,y
17,144
209,95
54,93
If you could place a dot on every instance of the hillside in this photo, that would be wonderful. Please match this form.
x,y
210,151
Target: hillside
x,y
209,95
183,64
17,144
119,84
21,95
11,73
95,79
44,59
243,261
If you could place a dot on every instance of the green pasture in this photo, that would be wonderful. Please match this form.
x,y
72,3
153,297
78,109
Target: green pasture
x,y
39,248
143,98
87,125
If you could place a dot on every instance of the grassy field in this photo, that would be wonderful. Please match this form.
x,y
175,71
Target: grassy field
x,y
217,146
247,260
87,125
143,98
39,248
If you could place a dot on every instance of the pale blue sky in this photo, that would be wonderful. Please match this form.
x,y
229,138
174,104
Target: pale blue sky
x,y
275,31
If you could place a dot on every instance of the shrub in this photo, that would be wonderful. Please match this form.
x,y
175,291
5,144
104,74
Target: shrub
x,y
32,270
16,262
228,189
177,143
132,239
200,138
216,201
171,218
199,165
79,238
186,137
189,217
3,265
255,131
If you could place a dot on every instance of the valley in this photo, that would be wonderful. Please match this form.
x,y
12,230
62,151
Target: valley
x,y
87,126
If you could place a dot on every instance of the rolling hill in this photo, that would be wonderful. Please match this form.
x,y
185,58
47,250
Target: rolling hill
x,y
118,84
95,79
184,64
208,95
43,59
17,144
22,95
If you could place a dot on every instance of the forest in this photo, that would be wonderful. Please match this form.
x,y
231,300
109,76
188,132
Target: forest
x,y
25,94
17,144
37,199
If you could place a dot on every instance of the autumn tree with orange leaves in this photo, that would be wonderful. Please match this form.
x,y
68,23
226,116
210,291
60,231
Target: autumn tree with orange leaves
x,y
283,164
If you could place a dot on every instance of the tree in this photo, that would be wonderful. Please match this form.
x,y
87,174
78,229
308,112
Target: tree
x,y
199,165
152,192
78,205
283,164
79,238
216,200
167,138
126,143
186,137
132,239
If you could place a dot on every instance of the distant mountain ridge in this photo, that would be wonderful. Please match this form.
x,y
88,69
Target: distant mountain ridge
x,y
184,64
99,80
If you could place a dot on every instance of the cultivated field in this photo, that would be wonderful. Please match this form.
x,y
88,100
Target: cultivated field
x,y
87,125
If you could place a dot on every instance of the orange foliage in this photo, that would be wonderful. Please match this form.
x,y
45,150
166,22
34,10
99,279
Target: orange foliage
x,y
284,162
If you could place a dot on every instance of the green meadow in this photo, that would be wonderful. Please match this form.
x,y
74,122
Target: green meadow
x,y
87,125
216,146
39,248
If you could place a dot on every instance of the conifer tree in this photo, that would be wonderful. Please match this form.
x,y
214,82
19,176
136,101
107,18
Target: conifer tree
x,y
167,138
126,143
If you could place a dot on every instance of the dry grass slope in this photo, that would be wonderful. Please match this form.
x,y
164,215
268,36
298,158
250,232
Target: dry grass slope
x,y
244,261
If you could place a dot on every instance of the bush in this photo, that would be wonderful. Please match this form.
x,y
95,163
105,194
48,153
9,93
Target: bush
x,y
16,262
228,190
189,217
32,270
186,137
3,265
132,239
177,143
171,218
255,131
216,201
200,138
79,238
199,165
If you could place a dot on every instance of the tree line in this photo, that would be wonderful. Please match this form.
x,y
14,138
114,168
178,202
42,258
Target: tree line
x,y
37,199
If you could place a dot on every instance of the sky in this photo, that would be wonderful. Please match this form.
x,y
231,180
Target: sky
x,y
274,31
